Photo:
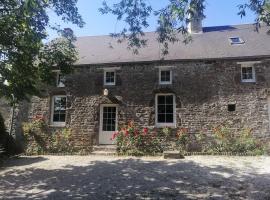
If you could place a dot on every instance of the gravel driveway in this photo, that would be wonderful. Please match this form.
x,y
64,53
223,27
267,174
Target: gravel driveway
x,y
94,177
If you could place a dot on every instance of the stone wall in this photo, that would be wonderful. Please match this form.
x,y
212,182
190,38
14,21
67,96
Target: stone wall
x,y
203,91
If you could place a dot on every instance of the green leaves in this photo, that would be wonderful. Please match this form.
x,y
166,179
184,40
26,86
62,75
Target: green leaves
x,y
135,14
26,61
172,19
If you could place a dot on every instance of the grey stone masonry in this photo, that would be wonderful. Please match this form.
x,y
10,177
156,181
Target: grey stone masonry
x,y
203,90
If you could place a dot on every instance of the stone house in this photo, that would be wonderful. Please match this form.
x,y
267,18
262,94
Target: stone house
x,y
223,75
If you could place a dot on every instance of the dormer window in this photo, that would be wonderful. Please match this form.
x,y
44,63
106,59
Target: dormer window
x,y
236,40
60,80
165,76
109,77
248,74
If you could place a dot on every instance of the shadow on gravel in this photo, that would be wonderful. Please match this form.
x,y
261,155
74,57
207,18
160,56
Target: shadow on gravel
x,y
134,179
13,162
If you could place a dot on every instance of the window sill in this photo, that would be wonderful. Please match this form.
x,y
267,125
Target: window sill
x,y
109,84
165,83
57,125
248,81
165,125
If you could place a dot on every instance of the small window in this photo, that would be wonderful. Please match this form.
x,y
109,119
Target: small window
x,y
165,110
236,40
60,80
59,110
109,77
165,76
231,107
248,74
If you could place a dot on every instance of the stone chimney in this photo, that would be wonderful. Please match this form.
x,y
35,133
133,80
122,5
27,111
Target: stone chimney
x,y
195,24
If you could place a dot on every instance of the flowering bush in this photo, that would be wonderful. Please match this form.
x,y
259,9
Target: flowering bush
x,y
40,140
223,140
183,139
133,141
236,142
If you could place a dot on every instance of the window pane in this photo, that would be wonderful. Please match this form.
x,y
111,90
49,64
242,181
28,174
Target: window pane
x,y
250,76
62,117
169,118
235,40
55,117
161,100
249,70
247,73
161,109
169,99
244,76
60,80
161,118
169,109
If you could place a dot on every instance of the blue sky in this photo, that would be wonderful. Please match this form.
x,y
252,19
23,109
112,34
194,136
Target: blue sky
x,y
218,12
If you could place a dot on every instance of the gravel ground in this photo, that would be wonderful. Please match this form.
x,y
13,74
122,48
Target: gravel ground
x,y
95,177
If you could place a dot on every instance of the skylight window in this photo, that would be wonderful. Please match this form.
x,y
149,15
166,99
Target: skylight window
x,y
236,40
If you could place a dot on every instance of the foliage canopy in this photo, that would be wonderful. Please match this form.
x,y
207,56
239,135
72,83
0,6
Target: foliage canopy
x,y
25,60
172,19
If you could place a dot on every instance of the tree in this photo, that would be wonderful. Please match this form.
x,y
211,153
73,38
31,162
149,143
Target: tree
x,y
25,61
172,19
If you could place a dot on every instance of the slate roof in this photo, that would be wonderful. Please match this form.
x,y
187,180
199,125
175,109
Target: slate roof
x,y
212,44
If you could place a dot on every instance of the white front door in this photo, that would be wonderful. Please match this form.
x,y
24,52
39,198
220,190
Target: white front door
x,y
108,123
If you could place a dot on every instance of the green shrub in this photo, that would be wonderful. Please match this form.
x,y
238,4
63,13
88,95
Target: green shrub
x,y
236,142
223,140
61,141
40,140
138,142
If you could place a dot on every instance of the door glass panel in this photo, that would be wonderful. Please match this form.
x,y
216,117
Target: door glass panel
x,y
109,118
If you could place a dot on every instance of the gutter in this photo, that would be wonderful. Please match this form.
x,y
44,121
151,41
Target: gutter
x,y
246,58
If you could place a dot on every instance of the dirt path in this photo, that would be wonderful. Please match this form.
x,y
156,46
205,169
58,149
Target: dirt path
x,y
93,177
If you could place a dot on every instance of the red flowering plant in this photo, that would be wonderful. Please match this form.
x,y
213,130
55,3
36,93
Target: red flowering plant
x,y
131,140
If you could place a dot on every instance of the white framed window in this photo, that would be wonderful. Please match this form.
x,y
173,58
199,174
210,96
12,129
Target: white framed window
x,y
60,80
165,110
109,77
58,110
248,74
165,76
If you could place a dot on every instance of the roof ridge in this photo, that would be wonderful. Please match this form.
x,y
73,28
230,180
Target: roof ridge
x,y
206,27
